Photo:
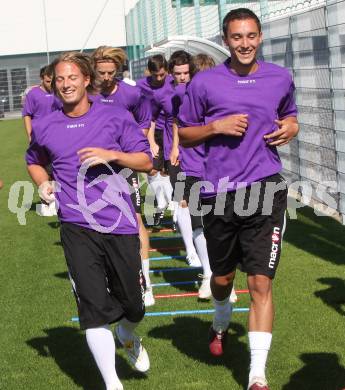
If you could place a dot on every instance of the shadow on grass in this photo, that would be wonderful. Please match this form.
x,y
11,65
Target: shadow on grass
x,y
334,296
322,371
183,333
62,275
178,276
165,250
320,236
54,225
68,347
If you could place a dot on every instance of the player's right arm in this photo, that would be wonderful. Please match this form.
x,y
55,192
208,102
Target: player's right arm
x,y
151,138
28,126
27,113
38,174
232,125
193,131
156,108
37,158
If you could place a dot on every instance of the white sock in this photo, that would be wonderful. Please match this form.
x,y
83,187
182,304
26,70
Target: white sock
x,y
259,344
167,188
162,201
126,329
157,185
185,226
101,343
174,208
146,270
222,315
201,249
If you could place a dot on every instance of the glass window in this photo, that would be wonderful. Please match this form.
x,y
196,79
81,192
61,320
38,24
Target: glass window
x,y
4,95
19,84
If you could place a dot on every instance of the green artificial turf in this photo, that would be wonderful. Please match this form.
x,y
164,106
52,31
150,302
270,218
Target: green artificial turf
x,y
41,348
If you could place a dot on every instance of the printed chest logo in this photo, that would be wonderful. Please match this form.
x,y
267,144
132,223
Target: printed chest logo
x,y
246,82
75,125
107,100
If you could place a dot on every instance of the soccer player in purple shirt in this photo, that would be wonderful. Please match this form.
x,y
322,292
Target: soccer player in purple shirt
x,y
192,164
242,109
107,61
39,101
88,144
157,78
169,99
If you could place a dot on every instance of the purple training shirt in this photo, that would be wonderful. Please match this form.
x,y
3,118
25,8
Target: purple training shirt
x,y
265,95
39,103
96,198
149,90
192,161
130,98
169,99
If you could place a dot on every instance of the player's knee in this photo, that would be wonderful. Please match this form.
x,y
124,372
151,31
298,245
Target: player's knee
x,y
260,288
134,312
224,281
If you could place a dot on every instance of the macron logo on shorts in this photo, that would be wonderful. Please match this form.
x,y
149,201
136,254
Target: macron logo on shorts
x,y
275,247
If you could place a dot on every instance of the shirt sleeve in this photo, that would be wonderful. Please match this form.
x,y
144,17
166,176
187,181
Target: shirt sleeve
x,y
155,105
287,106
36,153
193,109
132,139
57,104
142,112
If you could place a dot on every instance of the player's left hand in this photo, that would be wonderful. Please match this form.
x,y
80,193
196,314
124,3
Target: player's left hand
x,y
287,129
96,156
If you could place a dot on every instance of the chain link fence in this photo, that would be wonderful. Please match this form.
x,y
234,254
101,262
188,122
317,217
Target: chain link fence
x,y
307,37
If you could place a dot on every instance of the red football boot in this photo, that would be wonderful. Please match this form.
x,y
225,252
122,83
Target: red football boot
x,y
258,384
217,341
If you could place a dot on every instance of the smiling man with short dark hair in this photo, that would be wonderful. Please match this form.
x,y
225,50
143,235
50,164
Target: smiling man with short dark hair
x,y
242,109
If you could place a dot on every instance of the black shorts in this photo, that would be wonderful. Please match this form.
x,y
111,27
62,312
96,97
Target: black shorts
x,y
133,181
158,162
173,172
190,181
106,275
254,239
192,197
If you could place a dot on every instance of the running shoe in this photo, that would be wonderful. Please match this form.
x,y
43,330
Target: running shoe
x,y
193,260
233,296
157,218
217,341
149,298
44,210
135,351
205,288
258,383
52,207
